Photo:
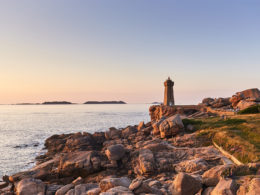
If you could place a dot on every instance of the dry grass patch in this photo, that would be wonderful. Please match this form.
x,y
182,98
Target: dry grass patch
x,y
239,135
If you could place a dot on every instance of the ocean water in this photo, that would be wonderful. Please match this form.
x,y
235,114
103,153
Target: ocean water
x,y
23,128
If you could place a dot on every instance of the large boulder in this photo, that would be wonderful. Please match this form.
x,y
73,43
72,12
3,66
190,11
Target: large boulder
x,y
84,188
171,126
129,131
31,186
207,101
113,133
254,187
185,184
243,104
146,162
107,183
156,125
115,152
64,189
212,176
138,186
225,187
251,188
220,102
118,190
80,163
249,94
94,191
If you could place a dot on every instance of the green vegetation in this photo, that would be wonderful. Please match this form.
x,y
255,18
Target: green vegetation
x,y
250,110
239,135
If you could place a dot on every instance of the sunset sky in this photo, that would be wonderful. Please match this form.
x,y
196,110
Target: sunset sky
x,y
82,50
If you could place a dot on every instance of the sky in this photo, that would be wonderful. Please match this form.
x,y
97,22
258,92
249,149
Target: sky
x,y
84,50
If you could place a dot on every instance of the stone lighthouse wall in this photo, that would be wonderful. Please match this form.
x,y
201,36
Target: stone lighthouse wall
x,y
168,93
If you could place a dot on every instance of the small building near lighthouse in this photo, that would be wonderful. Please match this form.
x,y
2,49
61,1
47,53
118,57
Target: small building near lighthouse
x,y
168,93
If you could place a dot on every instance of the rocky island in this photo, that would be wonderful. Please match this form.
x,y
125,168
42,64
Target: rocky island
x,y
56,102
104,102
207,149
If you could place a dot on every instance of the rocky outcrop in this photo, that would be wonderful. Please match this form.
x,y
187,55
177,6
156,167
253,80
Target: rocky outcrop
x,y
108,183
185,184
115,152
145,162
251,95
213,175
158,111
216,103
243,104
241,100
30,186
159,157
224,187
171,126
80,163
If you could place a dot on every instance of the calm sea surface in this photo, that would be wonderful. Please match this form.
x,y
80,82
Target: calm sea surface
x,y
23,128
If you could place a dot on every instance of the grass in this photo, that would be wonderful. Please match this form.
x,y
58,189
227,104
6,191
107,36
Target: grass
x,y
239,135
250,110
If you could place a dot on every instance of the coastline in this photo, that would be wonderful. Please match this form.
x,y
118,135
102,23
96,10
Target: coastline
x,y
144,158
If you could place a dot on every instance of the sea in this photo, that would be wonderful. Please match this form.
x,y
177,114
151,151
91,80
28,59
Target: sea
x,y
24,128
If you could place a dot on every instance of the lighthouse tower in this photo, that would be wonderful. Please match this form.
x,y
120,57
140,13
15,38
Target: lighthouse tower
x,y
168,93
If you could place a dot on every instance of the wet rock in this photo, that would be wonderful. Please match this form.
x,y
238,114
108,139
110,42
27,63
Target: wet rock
x,y
185,184
31,186
225,187
108,183
115,152
213,175
171,126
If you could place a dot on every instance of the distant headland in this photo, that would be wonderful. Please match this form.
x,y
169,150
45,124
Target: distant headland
x,y
105,102
57,102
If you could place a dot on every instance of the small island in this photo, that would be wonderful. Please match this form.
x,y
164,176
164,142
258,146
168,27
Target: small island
x,y
105,102
56,102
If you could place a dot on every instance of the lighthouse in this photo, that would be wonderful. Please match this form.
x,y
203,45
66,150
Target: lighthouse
x,y
168,92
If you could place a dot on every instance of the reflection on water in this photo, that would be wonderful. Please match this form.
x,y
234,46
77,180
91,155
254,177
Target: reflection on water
x,y
23,128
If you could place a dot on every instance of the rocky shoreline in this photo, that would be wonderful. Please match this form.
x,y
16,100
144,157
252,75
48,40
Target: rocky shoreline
x,y
161,157
133,160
